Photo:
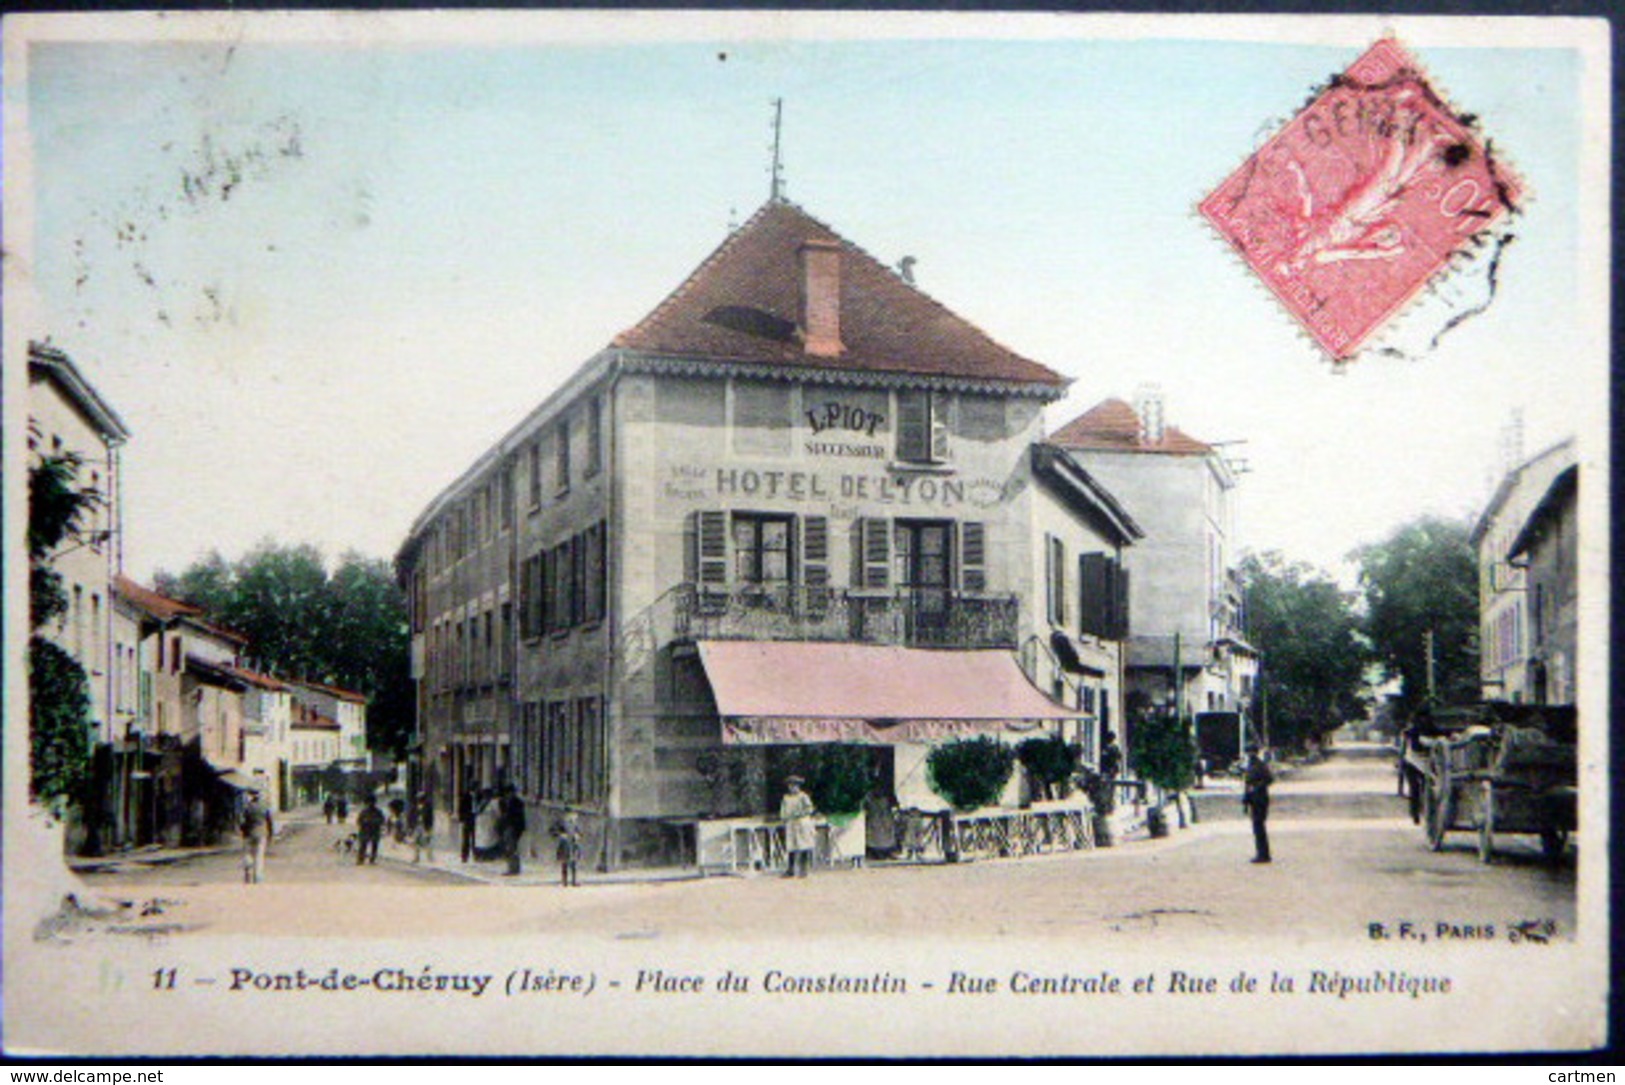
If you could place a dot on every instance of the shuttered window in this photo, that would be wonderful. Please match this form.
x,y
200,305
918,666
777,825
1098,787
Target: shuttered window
x,y
871,553
1103,597
973,558
922,427
708,548
815,561
1055,580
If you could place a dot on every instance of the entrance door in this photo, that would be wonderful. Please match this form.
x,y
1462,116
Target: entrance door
x,y
925,573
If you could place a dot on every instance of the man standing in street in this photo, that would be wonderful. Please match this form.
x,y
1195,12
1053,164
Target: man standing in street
x,y
467,815
256,832
512,826
1255,796
422,818
369,831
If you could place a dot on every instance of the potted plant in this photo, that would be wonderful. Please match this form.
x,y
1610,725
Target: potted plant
x,y
1050,764
1164,757
1102,794
968,773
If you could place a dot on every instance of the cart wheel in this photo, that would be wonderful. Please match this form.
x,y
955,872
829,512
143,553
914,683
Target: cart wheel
x,y
1486,827
1552,844
1432,818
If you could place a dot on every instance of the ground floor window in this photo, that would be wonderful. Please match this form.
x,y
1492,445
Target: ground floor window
x,y
563,751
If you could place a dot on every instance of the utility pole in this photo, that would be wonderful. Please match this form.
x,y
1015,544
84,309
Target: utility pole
x,y
776,192
1427,648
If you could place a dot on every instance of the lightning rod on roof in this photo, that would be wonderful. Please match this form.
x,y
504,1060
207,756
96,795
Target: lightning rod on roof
x,y
776,193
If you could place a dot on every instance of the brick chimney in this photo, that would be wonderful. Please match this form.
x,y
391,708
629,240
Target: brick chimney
x,y
1148,406
819,314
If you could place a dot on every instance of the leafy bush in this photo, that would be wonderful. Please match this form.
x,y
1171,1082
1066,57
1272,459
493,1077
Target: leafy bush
x,y
1164,754
970,772
1049,762
59,701
838,776
734,778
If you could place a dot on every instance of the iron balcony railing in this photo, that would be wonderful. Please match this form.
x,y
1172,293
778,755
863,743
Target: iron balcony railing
x,y
913,618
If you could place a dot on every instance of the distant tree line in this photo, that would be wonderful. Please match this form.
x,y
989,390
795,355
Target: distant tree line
x,y
345,627
1324,649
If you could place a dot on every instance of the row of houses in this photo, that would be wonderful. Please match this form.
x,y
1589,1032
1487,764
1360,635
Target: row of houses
x,y
802,502
181,725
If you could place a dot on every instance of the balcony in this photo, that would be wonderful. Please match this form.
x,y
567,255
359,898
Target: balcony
x,y
912,619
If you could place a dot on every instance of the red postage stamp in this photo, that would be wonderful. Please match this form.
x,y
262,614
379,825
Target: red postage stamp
x,y
1351,209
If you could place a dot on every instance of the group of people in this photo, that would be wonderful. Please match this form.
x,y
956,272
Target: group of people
x,y
492,822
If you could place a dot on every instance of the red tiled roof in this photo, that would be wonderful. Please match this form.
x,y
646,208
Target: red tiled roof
x,y
334,691
263,681
741,305
1113,426
161,607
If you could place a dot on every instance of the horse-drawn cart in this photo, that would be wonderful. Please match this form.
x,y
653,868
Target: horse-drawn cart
x,y
1497,777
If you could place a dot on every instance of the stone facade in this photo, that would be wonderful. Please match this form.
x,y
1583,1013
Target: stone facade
x,y
795,446
1505,631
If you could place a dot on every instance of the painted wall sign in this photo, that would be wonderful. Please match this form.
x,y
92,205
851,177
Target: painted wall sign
x,y
830,486
836,415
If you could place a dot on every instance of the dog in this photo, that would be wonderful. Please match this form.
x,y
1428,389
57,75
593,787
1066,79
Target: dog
x,y
346,845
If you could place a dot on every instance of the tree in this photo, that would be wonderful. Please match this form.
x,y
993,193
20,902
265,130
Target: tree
x,y
1050,763
58,691
970,772
345,628
1164,753
1421,585
1313,659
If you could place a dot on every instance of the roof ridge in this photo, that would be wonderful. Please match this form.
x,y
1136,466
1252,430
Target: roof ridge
x,y
682,289
928,298
700,277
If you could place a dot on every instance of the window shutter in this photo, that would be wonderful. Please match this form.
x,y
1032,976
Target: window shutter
x,y
1120,624
1055,581
710,547
913,427
973,558
1093,595
937,408
871,553
815,560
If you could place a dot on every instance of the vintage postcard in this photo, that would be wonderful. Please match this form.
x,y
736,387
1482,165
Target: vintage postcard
x,y
776,534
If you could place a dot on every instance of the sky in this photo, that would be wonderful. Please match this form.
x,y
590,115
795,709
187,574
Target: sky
x,y
317,278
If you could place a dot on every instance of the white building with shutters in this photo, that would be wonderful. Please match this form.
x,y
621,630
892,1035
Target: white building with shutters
x,y
796,447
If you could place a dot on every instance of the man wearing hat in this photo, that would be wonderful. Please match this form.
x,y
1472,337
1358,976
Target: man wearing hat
x,y
255,827
796,811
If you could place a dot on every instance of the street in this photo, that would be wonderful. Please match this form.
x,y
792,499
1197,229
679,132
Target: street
x,y
1346,856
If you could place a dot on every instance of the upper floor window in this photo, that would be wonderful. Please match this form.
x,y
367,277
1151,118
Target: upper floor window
x,y
922,427
761,549
1055,580
595,438
534,454
561,459
505,495
1103,598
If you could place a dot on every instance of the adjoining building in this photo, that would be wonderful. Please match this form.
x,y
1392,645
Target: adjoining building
x,y
67,417
1547,551
1188,638
1505,594
796,447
